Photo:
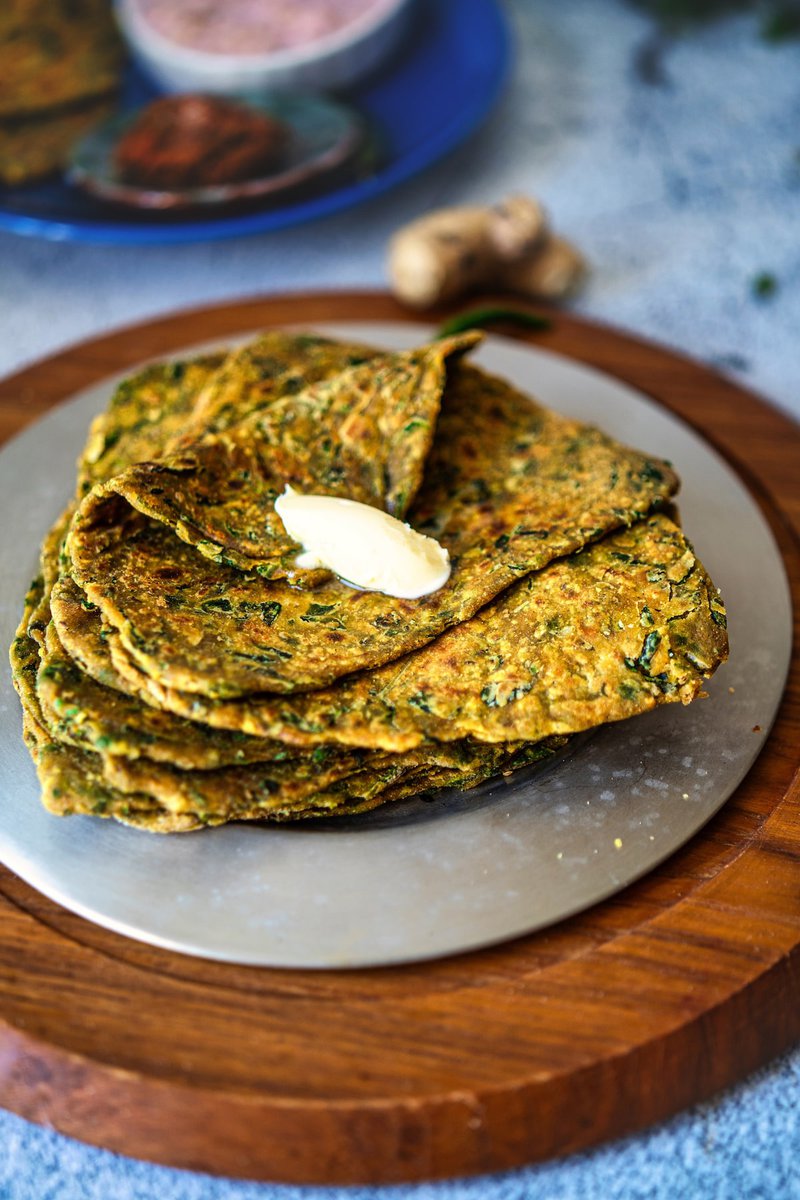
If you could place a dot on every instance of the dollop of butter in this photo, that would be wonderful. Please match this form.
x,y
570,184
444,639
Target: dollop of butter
x,y
364,546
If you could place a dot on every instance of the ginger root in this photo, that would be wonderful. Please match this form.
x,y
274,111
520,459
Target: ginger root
x,y
504,246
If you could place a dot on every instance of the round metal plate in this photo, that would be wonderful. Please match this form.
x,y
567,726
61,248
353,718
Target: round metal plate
x,y
420,880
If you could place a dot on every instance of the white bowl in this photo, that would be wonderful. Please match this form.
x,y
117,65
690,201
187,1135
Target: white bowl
x,y
335,61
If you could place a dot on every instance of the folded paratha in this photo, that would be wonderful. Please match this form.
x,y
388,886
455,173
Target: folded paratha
x,y
630,622
363,433
165,799
33,147
508,487
55,53
168,681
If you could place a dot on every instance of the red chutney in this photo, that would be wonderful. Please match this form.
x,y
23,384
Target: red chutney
x,y
191,141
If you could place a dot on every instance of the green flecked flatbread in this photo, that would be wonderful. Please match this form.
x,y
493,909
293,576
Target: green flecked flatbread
x,y
80,712
146,412
24,654
310,782
73,782
149,793
55,53
83,712
34,147
508,487
284,785
165,799
628,623
94,709
363,434
176,403
81,635
573,602
36,616
253,376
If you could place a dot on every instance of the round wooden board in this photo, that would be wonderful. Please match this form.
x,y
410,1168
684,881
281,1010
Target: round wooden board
x,y
612,1020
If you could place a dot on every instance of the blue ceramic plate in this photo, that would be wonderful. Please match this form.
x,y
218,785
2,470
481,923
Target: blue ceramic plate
x,y
433,93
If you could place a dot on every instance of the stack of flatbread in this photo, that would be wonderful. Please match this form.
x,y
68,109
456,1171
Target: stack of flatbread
x,y
177,668
60,62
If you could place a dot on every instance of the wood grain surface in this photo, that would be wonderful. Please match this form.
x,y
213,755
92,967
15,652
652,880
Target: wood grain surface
x,y
599,1026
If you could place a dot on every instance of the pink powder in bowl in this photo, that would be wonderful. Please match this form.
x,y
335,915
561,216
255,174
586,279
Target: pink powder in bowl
x,y
251,26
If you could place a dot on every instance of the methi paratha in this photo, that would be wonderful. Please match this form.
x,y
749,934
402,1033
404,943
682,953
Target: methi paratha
x,y
91,707
508,487
147,411
310,782
177,402
630,622
95,716
79,710
138,789
72,783
60,60
166,799
32,147
69,778
37,615
271,365
362,433
55,53
171,690
24,653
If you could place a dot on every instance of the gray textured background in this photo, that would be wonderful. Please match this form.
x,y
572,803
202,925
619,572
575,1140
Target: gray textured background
x,y
681,193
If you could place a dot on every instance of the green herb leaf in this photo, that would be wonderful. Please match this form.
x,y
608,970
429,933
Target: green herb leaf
x,y
782,23
498,695
764,285
318,610
675,16
651,644
270,611
220,604
477,318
